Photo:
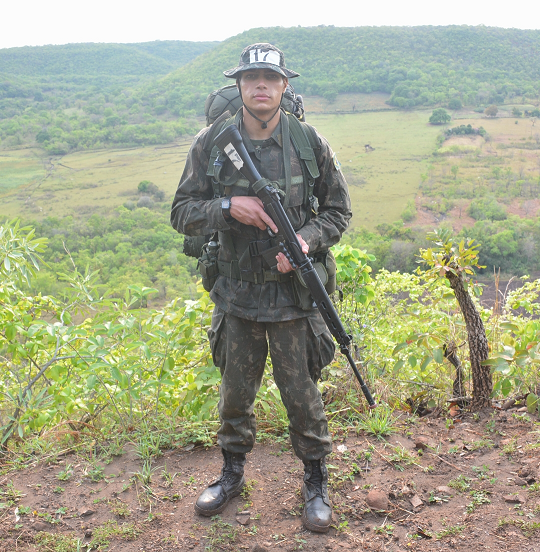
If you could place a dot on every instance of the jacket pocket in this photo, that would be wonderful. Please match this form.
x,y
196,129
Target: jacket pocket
x,y
217,338
322,349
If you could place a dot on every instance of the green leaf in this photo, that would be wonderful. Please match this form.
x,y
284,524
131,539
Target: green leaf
x,y
425,363
11,331
438,356
397,366
115,373
412,361
532,403
399,346
506,387
91,381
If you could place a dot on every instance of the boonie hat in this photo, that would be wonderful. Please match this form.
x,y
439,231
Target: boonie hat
x,y
261,56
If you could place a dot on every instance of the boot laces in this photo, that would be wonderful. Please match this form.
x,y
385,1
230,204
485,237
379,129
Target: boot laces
x,y
316,478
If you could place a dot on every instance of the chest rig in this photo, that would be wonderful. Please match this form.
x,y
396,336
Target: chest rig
x,y
253,260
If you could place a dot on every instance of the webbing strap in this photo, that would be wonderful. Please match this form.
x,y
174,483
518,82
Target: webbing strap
x,y
231,270
306,144
286,141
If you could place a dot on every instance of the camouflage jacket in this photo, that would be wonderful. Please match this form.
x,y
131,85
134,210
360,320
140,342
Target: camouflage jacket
x,y
196,212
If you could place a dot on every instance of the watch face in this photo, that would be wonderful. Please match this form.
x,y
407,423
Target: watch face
x,y
226,204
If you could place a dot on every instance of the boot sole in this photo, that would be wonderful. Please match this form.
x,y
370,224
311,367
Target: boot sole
x,y
209,513
312,527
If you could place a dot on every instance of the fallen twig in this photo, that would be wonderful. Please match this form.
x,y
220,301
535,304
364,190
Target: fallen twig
x,y
445,461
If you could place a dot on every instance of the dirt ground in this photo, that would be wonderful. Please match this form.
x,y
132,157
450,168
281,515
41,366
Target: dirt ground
x,y
471,485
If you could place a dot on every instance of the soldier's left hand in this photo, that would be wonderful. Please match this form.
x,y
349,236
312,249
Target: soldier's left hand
x,y
283,264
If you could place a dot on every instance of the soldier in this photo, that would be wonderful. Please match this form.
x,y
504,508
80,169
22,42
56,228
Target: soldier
x,y
260,305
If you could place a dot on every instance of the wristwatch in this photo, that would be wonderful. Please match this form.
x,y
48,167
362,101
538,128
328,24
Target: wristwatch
x,y
226,209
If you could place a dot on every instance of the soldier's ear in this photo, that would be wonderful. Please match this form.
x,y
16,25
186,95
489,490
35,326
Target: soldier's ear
x,y
285,83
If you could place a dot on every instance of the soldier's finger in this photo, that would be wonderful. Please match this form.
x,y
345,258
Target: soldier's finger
x,y
269,222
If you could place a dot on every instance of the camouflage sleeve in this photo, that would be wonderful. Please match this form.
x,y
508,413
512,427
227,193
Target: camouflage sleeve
x,y
326,229
194,211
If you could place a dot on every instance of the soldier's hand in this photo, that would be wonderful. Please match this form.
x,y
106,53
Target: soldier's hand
x,y
249,210
283,264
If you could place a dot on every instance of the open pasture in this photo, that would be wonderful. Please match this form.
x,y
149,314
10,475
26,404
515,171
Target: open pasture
x,y
381,181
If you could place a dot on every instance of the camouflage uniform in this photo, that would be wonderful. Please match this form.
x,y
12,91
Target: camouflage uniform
x,y
247,314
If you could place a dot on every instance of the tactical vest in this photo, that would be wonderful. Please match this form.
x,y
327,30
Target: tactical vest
x,y
252,261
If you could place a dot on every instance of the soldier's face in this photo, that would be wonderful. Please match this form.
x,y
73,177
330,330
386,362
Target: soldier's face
x,y
262,89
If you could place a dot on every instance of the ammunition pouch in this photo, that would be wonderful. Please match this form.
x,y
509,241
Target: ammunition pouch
x,y
193,245
208,266
325,267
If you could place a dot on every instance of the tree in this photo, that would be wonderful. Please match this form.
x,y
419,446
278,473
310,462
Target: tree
x,y
491,111
455,103
517,112
439,117
455,262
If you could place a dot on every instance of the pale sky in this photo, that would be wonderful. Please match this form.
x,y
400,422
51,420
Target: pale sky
x,y
34,23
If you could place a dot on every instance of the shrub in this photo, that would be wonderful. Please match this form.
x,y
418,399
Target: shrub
x,y
486,209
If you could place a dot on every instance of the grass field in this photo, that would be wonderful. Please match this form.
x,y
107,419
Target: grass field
x,y
381,181
20,168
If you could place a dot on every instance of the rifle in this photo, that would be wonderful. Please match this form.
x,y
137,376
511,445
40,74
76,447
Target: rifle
x,y
230,142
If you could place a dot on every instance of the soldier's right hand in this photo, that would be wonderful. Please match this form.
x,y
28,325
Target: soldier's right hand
x,y
250,210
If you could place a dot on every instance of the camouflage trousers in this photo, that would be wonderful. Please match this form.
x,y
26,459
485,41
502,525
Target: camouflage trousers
x,y
299,350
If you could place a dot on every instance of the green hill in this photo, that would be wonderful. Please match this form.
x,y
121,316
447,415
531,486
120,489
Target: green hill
x,y
147,58
417,65
97,95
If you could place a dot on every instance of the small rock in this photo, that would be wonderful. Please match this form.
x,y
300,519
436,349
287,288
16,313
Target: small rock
x,y
524,471
342,448
259,548
88,533
514,499
85,512
39,526
416,501
520,482
421,442
377,500
522,409
406,491
242,519
444,489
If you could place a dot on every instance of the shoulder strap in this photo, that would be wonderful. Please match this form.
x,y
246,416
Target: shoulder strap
x,y
306,142
212,151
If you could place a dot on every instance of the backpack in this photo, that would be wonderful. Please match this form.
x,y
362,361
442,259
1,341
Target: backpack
x,y
228,99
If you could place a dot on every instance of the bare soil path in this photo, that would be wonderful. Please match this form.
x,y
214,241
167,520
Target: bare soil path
x,y
473,487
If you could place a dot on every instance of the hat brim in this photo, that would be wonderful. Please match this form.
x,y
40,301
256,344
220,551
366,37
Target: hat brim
x,y
233,73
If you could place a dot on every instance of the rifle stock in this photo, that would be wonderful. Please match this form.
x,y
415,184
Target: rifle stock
x,y
230,142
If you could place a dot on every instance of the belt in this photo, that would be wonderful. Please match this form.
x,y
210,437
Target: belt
x,y
231,270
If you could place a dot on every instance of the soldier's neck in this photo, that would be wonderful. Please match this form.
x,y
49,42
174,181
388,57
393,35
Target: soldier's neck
x,y
254,128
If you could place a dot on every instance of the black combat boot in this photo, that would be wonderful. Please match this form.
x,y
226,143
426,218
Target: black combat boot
x,y
317,514
216,496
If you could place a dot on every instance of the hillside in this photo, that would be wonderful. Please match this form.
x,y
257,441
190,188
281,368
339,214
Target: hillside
x,y
145,58
416,65
82,96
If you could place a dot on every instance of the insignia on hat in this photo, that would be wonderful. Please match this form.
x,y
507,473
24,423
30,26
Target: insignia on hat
x,y
258,55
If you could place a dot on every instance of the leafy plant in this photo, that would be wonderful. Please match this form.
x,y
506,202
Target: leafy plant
x,y
461,483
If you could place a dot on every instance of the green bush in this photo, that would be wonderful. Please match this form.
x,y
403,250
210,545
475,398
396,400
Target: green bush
x,y
486,209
